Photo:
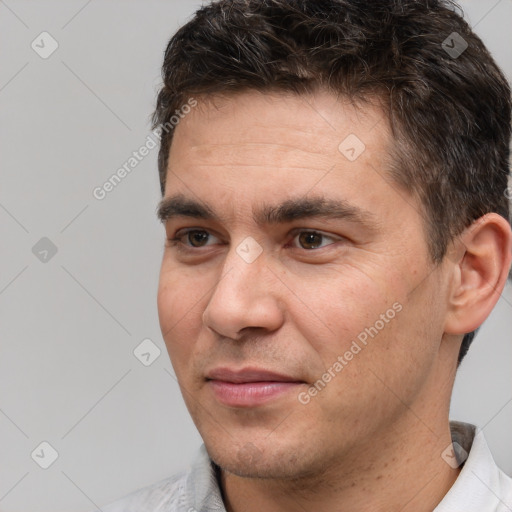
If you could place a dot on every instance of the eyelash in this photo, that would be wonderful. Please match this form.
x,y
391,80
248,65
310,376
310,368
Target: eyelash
x,y
179,235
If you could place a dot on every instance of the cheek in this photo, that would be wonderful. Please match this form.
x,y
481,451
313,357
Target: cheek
x,y
339,309
179,311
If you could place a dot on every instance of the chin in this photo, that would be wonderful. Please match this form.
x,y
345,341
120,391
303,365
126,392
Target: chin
x,y
250,460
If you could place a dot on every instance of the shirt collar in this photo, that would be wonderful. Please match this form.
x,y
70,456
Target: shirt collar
x,y
481,486
203,485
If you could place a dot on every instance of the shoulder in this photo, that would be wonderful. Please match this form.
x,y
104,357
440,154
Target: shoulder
x,y
166,495
190,491
481,485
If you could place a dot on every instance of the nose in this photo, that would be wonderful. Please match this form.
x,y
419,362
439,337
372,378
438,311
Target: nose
x,y
245,297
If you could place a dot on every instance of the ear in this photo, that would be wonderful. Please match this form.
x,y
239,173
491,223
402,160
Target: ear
x,y
482,255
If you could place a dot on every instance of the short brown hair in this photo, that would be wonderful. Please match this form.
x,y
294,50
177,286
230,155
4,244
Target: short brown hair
x,y
448,102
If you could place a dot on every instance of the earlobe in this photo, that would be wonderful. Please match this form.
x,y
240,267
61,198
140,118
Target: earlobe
x,y
480,272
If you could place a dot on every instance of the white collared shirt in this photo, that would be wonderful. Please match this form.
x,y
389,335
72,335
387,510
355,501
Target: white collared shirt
x,y
480,487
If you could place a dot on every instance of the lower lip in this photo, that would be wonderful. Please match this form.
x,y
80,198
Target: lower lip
x,y
249,394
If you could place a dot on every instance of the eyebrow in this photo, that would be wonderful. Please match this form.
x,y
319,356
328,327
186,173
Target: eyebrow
x,y
292,209
180,206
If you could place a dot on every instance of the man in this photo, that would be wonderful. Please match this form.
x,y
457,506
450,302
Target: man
x,y
334,179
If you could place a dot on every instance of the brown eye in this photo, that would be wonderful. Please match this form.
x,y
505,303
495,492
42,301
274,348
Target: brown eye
x,y
196,238
310,239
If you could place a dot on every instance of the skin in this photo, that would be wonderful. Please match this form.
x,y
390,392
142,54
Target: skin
x,y
372,438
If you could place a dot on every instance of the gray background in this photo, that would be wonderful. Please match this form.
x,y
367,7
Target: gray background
x,y
68,326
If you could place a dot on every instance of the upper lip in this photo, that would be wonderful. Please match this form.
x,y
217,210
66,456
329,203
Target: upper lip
x,y
248,375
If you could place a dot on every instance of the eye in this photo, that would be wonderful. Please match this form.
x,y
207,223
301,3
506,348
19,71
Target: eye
x,y
194,238
312,239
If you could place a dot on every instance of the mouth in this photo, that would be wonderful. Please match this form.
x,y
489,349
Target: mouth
x,y
249,387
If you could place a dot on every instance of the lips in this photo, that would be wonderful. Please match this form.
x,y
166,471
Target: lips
x,y
249,387
248,375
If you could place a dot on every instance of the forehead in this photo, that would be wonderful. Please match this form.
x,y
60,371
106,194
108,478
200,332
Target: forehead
x,y
278,125
244,149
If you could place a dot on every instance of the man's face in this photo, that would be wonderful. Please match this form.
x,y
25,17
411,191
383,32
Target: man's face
x,y
271,292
